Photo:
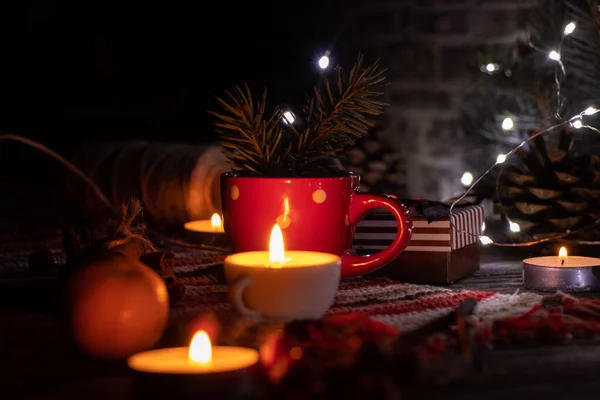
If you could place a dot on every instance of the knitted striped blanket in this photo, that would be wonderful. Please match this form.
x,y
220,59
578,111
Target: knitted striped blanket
x,y
403,306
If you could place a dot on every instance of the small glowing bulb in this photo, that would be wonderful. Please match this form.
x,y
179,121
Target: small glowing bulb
x,y
288,117
323,62
508,124
569,28
485,240
483,227
467,178
577,124
513,226
490,67
590,111
554,55
500,159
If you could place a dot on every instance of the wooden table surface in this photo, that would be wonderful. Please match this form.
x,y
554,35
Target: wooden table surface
x,y
37,363
544,372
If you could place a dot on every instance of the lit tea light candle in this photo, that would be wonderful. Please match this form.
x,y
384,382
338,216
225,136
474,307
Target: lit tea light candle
x,y
184,372
278,257
207,231
199,358
212,225
282,284
562,272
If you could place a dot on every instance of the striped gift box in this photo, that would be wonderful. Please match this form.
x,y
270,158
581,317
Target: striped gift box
x,y
463,227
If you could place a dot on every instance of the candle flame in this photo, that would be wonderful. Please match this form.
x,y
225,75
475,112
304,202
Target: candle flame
x,y
276,250
200,348
562,253
215,220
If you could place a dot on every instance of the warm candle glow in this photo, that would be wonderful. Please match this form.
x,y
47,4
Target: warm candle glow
x,y
276,249
214,225
286,206
562,253
215,220
200,348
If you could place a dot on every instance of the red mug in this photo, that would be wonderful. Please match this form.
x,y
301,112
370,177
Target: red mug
x,y
315,214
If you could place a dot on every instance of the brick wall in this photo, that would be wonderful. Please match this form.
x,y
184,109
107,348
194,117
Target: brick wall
x,y
427,46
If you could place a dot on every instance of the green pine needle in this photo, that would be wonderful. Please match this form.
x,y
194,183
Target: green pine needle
x,y
335,118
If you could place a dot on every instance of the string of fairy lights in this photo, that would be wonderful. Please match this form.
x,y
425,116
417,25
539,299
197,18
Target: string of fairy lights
x,y
288,116
577,121
508,124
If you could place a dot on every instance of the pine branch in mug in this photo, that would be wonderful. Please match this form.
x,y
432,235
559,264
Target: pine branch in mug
x,y
335,117
251,143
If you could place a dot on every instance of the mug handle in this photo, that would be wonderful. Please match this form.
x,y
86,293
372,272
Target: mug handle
x,y
236,295
360,204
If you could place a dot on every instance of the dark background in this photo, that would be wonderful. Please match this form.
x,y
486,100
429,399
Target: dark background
x,y
74,71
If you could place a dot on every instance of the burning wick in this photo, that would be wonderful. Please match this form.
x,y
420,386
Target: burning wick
x,y
562,254
215,221
276,249
200,351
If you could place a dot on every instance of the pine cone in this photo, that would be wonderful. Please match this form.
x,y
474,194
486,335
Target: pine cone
x,y
378,162
550,190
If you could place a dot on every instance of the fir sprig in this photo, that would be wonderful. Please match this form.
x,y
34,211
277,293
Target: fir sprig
x,y
335,117
251,143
